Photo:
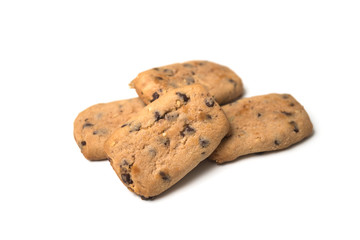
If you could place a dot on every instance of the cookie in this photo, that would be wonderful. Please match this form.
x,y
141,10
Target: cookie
x,y
166,140
95,124
262,123
220,81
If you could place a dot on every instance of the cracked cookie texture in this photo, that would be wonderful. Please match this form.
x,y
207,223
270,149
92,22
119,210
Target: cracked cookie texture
x,y
94,125
262,123
220,81
168,138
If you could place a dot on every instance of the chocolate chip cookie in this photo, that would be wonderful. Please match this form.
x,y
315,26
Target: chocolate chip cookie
x,y
220,81
95,124
262,123
168,138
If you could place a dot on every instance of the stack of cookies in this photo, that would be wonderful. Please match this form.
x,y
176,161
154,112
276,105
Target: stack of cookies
x,y
185,113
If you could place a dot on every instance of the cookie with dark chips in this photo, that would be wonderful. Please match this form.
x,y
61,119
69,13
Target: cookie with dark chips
x,y
262,123
220,81
94,125
168,138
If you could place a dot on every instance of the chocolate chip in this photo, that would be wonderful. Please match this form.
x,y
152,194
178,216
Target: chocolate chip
x,y
232,81
83,143
204,142
187,65
124,163
172,116
169,72
203,153
285,96
277,142
152,152
156,69
155,96
292,104
159,78
209,102
157,116
192,72
126,178
124,125
183,96
165,141
101,131
286,113
187,130
190,80
164,176
259,115
295,126
135,127
87,125
125,171
208,116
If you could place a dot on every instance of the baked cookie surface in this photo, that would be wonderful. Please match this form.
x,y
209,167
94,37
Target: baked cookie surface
x,y
220,81
167,139
262,123
95,124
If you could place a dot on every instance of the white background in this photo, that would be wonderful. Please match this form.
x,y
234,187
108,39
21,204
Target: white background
x,y
59,57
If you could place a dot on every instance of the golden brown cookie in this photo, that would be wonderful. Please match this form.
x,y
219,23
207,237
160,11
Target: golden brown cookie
x,y
220,81
168,138
262,123
95,124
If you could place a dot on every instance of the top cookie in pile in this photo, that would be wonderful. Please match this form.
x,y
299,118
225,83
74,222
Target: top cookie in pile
x,y
220,81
